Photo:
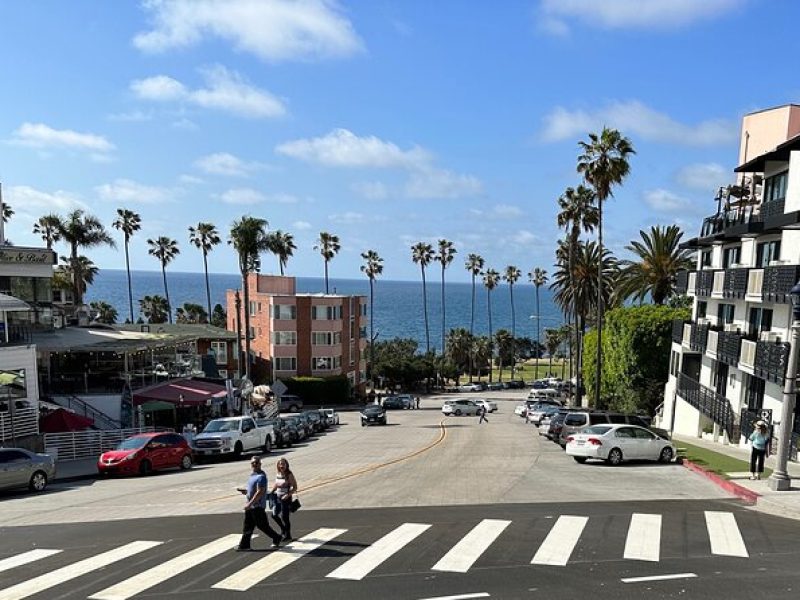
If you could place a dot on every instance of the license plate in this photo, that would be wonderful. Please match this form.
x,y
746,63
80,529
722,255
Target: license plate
x,y
580,442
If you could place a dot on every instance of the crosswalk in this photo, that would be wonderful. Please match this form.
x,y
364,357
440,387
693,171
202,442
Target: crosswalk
x,y
643,541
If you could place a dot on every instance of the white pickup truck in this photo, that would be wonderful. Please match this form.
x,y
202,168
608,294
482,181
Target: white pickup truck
x,y
233,436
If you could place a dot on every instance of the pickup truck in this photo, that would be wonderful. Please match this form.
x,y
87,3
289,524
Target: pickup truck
x,y
233,436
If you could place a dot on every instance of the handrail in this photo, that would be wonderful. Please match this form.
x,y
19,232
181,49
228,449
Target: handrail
x,y
713,405
101,419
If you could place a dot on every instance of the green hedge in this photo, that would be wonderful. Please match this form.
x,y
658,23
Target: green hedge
x,y
320,390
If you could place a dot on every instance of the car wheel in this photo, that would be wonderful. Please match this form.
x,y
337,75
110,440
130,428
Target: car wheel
x,y
237,451
145,468
362,424
38,481
267,446
458,412
666,455
186,462
580,459
614,457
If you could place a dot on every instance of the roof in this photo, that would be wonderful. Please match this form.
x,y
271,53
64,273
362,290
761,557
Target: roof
x,y
186,392
12,304
779,154
199,330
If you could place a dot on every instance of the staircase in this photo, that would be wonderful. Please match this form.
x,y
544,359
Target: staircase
x,y
79,406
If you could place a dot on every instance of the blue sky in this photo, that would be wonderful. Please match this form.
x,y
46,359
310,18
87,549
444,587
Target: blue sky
x,y
384,122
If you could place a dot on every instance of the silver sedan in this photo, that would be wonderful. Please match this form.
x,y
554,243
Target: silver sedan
x,y
20,468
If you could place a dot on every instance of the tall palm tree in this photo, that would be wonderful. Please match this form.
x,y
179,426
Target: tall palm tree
x,y
459,349
372,267
205,236
474,264
603,163
79,272
282,245
445,256
328,246
658,260
490,280
80,230
154,308
505,349
165,250
128,222
48,228
248,237
512,275
552,340
538,277
422,255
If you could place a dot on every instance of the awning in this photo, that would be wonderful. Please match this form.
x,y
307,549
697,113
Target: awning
x,y
181,392
156,405
12,304
62,420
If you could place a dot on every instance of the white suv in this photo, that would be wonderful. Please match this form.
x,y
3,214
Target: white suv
x,y
459,407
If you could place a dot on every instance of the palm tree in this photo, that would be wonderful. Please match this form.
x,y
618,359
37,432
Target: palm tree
x,y
8,212
128,222
328,246
482,353
48,227
459,349
505,349
80,230
552,340
512,275
474,264
603,164
538,277
79,272
422,254
205,236
105,313
445,256
248,237
165,250
191,313
659,259
282,245
372,267
490,279
154,308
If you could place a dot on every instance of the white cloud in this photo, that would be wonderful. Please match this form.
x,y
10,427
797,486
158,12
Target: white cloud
x,y
223,163
636,119
507,211
301,225
703,176
225,90
249,196
524,237
25,199
371,190
272,30
39,135
664,201
554,15
128,191
354,218
190,179
439,183
136,116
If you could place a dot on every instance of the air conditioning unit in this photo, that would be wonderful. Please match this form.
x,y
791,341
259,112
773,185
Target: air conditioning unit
x,y
769,336
731,327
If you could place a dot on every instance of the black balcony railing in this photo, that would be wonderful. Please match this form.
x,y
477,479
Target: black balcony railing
x,y
778,281
677,331
681,282
713,405
17,334
729,343
698,338
704,283
772,209
771,361
721,222
735,285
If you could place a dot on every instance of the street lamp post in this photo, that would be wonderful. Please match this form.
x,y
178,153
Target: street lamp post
x,y
780,480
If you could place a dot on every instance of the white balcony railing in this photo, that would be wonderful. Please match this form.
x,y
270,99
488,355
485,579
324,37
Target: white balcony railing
x,y
719,284
755,279
711,344
747,355
691,284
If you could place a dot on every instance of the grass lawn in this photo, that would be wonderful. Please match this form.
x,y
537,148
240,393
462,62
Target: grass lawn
x,y
721,464
529,372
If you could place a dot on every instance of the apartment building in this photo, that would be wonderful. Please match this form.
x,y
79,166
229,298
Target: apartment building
x,y
728,362
303,334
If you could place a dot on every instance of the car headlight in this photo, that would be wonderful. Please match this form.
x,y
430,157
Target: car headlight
x,y
130,456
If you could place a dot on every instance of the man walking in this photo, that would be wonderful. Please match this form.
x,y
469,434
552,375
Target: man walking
x,y
255,509
482,414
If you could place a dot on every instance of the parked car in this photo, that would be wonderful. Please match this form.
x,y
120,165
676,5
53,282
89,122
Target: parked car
x,y
470,387
539,411
489,405
330,415
306,421
373,414
616,443
300,427
494,386
280,429
516,384
20,468
395,402
146,452
315,419
290,403
292,435
545,394
540,384
232,436
556,423
579,420
460,407
521,409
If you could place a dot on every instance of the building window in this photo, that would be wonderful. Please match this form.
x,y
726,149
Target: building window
x,y
253,307
284,338
725,313
326,313
326,363
326,338
701,309
754,392
363,332
352,353
775,187
767,252
285,363
760,320
286,312
674,363
705,258
252,333
363,310
220,351
731,256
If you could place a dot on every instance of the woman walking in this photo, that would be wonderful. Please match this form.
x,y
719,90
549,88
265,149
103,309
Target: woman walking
x,y
760,439
284,487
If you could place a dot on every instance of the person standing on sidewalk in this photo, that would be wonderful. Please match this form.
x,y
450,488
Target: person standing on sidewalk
x,y
760,439
255,509
482,414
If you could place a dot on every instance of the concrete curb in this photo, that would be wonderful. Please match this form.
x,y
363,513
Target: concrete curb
x,y
748,496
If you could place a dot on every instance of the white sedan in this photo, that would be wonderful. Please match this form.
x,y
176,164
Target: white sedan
x,y
489,405
470,387
616,443
459,407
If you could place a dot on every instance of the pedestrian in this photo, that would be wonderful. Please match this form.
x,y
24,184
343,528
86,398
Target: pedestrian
x,y
417,401
255,509
760,439
482,414
284,488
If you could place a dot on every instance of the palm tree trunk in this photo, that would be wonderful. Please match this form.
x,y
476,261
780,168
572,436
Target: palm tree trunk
x,y
166,291
491,343
425,310
246,290
599,361
443,309
371,331
472,331
550,367
513,327
326,276
208,288
538,334
128,269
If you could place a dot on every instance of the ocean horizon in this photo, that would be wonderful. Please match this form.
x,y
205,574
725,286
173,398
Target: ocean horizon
x,y
398,304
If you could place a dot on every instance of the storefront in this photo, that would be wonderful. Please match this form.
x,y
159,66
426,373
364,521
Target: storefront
x,y
27,274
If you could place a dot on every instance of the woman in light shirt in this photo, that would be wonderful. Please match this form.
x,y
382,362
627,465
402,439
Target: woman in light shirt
x,y
759,439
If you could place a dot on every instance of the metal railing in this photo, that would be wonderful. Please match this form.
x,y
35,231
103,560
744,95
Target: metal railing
x,y
705,282
17,334
728,347
711,404
78,445
772,209
681,282
778,281
771,360
699,337
81,407
735,283
23,422
677,331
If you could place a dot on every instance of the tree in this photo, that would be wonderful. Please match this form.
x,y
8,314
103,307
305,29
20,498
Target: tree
x,y
603,164
128,222
191,313
372,267
422,255
504,342
552,340
659,258
538,277
165,250
218,317
445,256
459,349
204,237
8,212
474,264
48,227
79,272
154,308
248,237
328,246
104,312
80,230
490,280
512,275
282,245
482,354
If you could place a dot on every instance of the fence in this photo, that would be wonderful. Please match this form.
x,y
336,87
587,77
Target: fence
x,y
77,445
24,422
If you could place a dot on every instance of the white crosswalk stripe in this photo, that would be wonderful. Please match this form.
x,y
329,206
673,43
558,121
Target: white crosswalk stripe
x,y
560,542
82,567
363,563
724,534
25,558
269,565
464,554
644,537
152,577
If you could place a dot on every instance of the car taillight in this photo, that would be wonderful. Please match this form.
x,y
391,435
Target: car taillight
x,y
570,439
594,442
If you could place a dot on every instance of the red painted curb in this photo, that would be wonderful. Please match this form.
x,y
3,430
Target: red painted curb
x,y
742,492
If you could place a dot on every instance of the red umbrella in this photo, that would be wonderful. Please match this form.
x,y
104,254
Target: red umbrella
x,y
63,420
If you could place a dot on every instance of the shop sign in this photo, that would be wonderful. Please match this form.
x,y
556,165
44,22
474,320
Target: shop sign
x,y
15,256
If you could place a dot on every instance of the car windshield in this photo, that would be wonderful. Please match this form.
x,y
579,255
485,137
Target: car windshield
x,y
215,426
133,443
597,429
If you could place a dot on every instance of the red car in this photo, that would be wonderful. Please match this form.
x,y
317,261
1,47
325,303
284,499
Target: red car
x,y
145,453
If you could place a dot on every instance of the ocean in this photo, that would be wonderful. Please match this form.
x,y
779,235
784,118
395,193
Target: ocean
x,y
398,304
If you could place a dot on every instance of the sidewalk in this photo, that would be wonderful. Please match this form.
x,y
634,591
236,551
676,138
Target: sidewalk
x,y
782,504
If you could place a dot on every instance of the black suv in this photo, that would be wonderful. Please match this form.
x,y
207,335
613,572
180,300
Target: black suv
x,y
373,415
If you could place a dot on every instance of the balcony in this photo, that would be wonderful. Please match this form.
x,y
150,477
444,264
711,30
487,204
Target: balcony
x,y
677,331
755,283
713,405
735,285
770,361
704,283
747,355
729,346
732,223
778,281
770,210
681,282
